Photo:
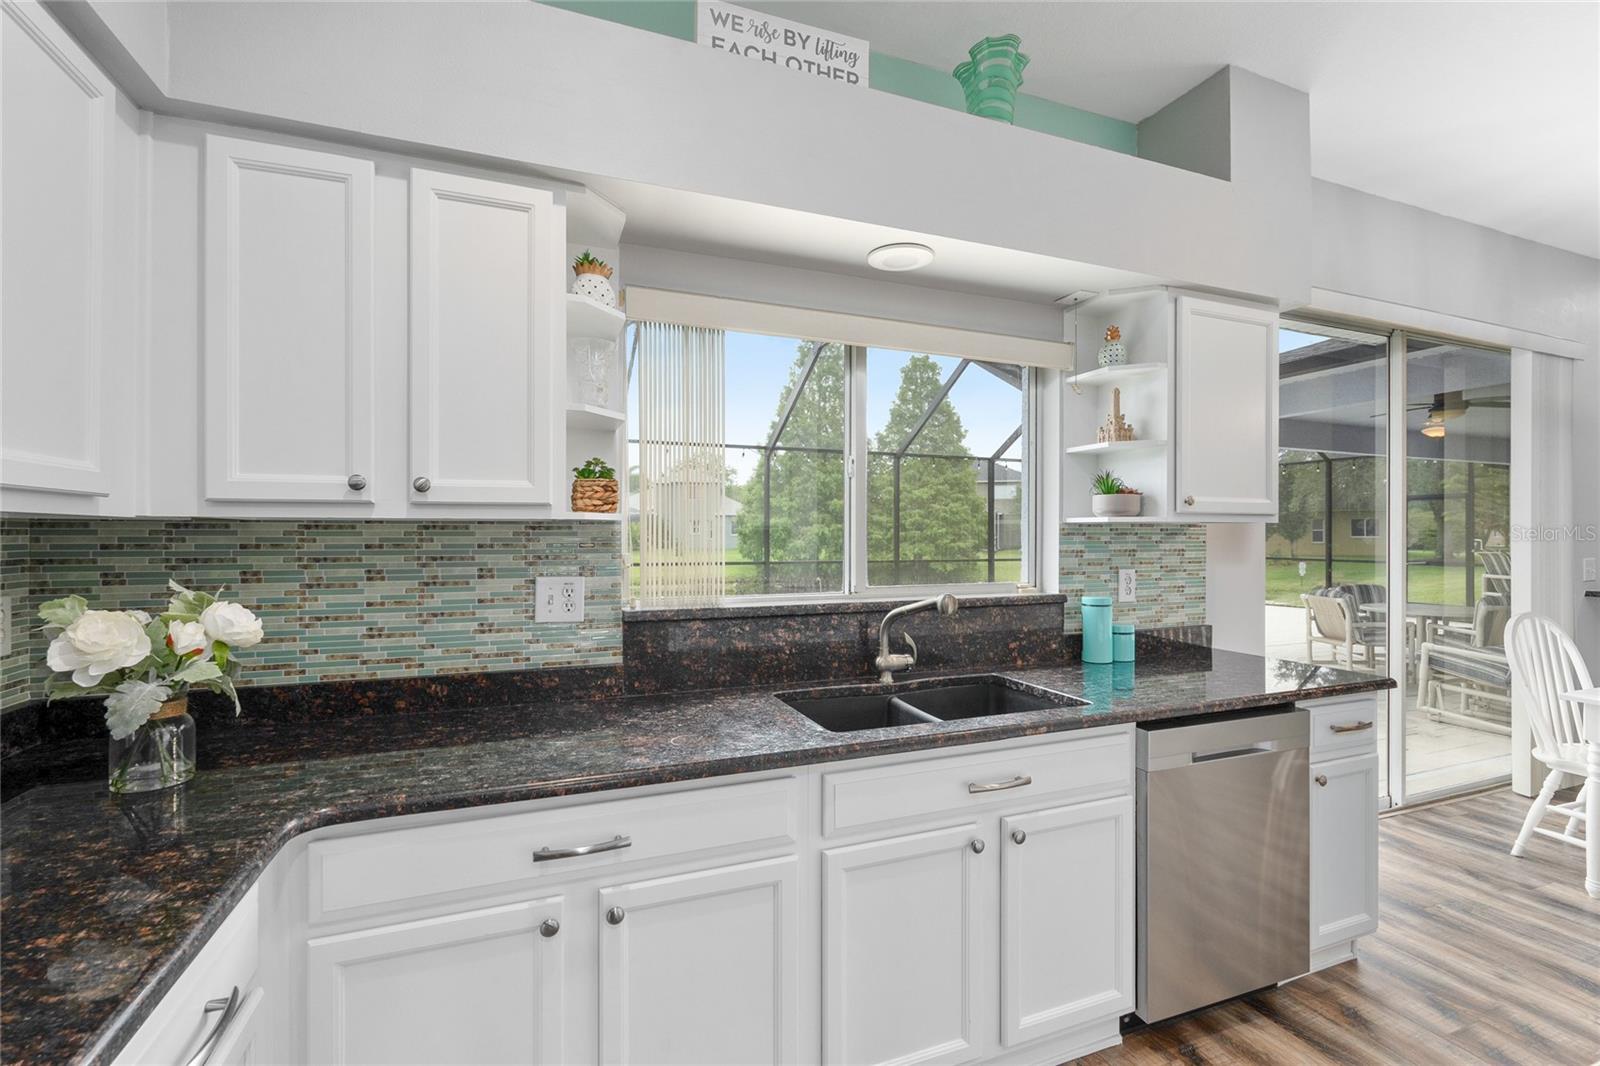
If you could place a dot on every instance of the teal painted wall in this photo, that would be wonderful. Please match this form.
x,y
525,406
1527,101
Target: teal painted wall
x,y
886,73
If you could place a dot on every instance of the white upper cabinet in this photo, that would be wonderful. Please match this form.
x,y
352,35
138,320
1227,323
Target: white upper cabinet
x,y
58,113
288,361
1227,410
486,329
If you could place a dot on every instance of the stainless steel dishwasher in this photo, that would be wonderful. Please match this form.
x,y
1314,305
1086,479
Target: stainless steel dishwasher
x,y
1223,858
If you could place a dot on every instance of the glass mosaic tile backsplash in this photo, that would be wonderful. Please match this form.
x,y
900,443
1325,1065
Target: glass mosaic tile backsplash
x,y
1170,561
339,600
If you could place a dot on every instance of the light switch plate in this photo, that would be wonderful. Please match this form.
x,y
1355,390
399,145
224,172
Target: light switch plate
x,y
1588,569
1127,586
558,599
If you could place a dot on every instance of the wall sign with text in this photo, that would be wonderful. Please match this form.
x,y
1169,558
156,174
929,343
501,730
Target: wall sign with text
x,y
769,39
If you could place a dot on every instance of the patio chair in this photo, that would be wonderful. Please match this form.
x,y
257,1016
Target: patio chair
x,y
1333,618
1545,663
1471,665
1496,566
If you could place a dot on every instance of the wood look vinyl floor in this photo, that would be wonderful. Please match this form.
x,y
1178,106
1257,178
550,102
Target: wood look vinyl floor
x,y
1480,958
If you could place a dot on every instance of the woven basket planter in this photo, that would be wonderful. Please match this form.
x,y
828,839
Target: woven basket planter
x,y
596,495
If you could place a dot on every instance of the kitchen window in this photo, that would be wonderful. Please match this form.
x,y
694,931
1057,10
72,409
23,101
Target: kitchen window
x,y
845,469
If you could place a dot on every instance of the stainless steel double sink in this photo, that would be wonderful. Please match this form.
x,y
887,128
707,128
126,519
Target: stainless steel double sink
x,y
922,703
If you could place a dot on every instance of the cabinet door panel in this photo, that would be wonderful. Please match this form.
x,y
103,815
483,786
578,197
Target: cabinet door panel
x,y
288,323
1227,409
483,335
57,117
479,987
903,943
702,967
1344,850
1066,918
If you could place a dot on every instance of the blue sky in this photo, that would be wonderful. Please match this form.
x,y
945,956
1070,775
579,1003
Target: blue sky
x,y
758,368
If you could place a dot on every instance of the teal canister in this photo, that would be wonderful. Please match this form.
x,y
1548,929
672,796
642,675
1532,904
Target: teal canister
x,y
1122,642
1096,629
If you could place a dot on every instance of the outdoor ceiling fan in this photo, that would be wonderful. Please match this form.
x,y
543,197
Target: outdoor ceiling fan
x,y
1447,405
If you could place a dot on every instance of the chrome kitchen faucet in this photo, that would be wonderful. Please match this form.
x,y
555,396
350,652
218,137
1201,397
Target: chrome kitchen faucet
x,y
888,662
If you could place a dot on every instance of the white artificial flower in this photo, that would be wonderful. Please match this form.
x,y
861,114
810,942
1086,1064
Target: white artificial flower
x,y
97,643
142,617
132,704
187,637
232,624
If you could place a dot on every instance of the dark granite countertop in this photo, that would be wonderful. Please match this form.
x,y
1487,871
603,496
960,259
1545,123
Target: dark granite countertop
x,y
105,900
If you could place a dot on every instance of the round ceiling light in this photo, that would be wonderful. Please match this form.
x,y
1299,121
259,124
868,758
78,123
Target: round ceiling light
x,y
900,257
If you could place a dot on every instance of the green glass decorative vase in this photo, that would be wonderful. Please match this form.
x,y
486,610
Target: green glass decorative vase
x,y
991,78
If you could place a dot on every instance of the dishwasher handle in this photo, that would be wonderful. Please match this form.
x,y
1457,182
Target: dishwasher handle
x,y
1234,753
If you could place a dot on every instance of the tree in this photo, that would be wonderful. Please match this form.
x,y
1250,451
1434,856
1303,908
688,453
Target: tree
x,y
807,503
942,508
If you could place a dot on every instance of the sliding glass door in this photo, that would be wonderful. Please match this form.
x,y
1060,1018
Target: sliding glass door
x,y
1327,583
1458,565
1394,471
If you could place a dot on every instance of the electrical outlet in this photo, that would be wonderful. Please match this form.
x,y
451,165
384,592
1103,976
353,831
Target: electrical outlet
x,y
1588,569
1127,587
558,599
5,625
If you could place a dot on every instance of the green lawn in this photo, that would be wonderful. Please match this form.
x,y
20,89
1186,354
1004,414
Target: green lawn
x,y
1429,584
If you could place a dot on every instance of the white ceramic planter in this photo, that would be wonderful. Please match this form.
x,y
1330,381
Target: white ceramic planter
x,y
1117,505
596,287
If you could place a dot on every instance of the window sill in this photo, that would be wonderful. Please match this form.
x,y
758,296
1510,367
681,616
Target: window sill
x,y
869,604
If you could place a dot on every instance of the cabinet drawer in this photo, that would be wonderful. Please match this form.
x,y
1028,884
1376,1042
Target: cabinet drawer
x,y
932,788
373,871
180,1022
1344,726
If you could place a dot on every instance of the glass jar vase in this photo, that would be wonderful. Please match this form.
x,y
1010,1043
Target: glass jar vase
x,y
160,754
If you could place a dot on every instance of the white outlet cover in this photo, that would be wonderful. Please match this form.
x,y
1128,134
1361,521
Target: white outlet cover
x,y
1589,568
1127,586
558,599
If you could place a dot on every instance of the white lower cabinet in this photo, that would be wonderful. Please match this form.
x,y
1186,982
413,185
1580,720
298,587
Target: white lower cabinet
x,y
482,986
1344,850
1066,917
905,938
702,967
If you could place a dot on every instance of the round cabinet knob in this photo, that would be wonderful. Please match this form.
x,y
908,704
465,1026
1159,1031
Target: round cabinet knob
x,y
977,847
422,484
357,482
549,928
1321,779
615,915
1188,501
1018,836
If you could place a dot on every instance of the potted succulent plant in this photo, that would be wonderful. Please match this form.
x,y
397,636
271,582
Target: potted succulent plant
x,y
594,487
594,279
1113,498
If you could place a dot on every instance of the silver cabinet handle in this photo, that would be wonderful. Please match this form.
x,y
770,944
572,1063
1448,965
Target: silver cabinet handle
x,y
1188,501
976,787
1350,727
1321,779
615,915
977,847
357,482
422,484
616,843
229,1006
549,928
1018,836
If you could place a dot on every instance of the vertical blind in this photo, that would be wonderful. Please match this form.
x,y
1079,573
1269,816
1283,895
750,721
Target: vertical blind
x,y
682,445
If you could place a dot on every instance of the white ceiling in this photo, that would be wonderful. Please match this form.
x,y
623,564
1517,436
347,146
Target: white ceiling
x,y
1488,112
696,222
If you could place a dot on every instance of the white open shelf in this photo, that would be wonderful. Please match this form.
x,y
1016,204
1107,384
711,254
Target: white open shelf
x,y
586,516
1107,376
585,318
1110,520
1116,446
588,416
